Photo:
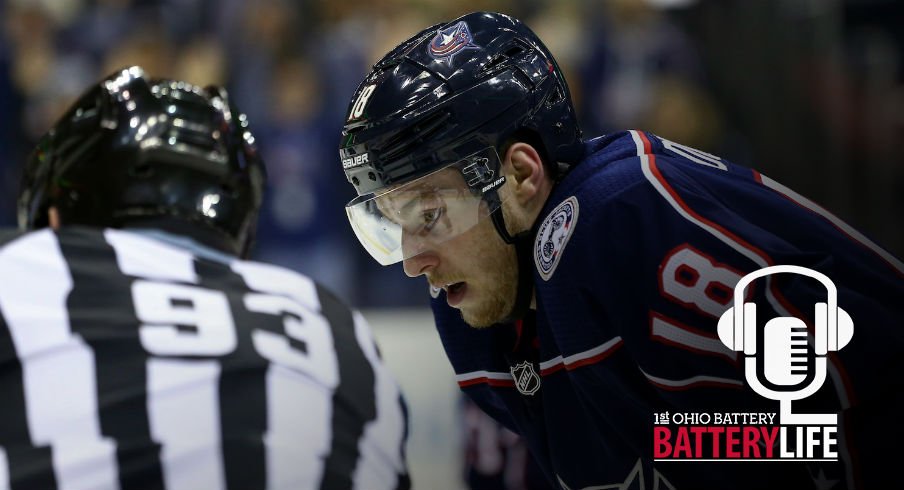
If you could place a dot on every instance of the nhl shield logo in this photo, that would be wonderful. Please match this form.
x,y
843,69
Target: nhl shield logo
x,y
553,235
526,378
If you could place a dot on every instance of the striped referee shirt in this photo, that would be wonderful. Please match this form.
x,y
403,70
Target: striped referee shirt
x,y
135,360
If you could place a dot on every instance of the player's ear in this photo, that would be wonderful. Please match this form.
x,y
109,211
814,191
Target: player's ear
x,y
525,167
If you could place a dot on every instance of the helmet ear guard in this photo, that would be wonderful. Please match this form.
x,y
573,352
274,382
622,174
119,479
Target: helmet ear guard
x,y
133,149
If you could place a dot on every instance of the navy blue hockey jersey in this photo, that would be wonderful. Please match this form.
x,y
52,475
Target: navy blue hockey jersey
x,y
636,256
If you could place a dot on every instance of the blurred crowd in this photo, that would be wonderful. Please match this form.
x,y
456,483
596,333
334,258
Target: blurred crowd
x,y
810,92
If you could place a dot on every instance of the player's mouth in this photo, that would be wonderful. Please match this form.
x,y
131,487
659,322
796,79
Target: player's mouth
x,y
455,293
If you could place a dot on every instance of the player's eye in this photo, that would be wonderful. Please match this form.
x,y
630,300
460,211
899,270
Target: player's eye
x,y
430,218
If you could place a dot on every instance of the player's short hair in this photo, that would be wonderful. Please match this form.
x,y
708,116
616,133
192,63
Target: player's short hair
x,y
135,149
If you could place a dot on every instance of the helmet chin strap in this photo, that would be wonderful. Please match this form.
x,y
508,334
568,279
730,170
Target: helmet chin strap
x,y
522,243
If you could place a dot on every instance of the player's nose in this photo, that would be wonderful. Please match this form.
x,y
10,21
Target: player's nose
x,y
420,264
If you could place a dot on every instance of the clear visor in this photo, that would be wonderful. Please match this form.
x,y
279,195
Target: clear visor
x,y
411,218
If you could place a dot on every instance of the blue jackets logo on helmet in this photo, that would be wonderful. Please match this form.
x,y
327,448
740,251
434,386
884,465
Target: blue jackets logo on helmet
x,y
449,42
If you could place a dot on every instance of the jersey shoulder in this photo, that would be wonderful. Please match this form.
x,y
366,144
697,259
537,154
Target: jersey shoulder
x,y
12,240
575,211
628,187
8,235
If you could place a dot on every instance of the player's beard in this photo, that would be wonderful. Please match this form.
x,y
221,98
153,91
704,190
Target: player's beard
x,y
497,291
497,286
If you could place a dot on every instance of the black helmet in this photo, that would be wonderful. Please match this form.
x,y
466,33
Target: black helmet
x,y
451,96
133,149
452,89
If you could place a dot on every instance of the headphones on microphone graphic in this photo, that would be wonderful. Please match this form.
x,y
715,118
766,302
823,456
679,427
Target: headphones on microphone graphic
x,y
784,339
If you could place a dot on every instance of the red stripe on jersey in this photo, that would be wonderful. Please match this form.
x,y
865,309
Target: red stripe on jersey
x,y
505,383
552,369
668,188
581,358
594,359
696,384
757,176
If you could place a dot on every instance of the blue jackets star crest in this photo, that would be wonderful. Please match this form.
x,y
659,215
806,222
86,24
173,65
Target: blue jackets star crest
x,y
451,41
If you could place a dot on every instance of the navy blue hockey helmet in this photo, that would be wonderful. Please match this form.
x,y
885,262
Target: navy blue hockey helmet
x,y
440,106
132,148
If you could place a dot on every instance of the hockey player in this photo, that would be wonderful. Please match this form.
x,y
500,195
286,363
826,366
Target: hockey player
x,y
140,350
603,267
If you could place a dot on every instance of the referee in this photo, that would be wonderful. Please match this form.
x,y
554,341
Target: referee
x,y
139,350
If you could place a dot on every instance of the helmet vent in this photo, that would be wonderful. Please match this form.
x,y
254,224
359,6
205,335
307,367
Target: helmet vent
x,y
514,50
556,97
503,60
192,120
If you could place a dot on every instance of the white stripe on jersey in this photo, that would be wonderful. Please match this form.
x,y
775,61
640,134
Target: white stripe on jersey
x,y
299,411
380,464
182,395
299,405
576,358
183,415
151,259
57,366
648,173
841,225
273,279
483,374
687,382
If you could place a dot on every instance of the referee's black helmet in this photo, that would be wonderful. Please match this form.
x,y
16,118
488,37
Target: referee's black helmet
x,y
134,148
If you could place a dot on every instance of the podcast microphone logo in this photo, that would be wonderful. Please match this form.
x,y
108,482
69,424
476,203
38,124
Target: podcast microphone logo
x,y
784,362
787,372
